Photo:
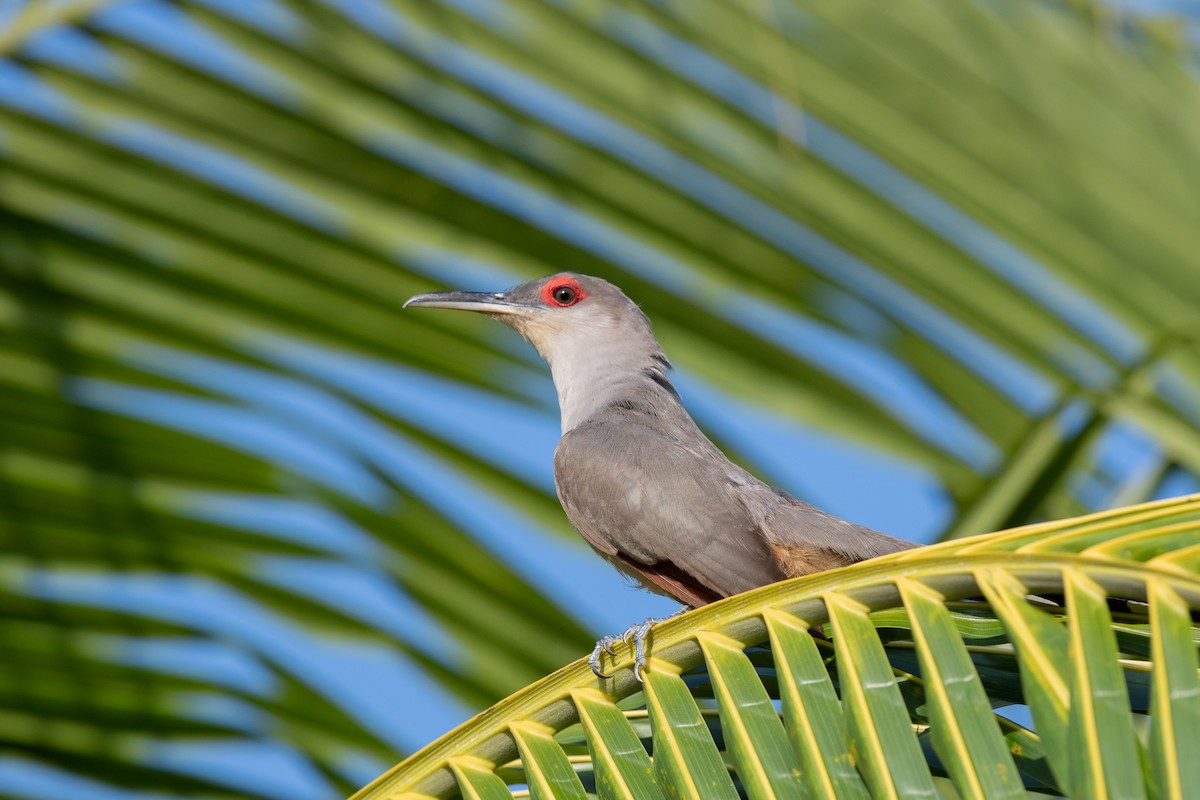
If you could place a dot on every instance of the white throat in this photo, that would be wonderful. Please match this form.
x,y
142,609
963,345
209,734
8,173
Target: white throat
x,y
591,372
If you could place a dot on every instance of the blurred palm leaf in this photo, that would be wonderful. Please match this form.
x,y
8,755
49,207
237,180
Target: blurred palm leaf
x,y
956,235
942,676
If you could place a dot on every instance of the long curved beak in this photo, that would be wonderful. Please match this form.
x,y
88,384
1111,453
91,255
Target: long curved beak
x,y
483,302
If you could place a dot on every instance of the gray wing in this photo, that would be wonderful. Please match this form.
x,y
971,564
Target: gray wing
x,y
665,505
804,539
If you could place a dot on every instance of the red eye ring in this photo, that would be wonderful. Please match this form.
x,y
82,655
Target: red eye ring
x,y
562,293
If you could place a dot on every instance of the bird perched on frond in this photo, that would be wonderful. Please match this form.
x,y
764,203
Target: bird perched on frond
x,y
637,477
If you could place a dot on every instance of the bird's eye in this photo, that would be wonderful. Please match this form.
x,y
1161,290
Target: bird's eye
x,y
562,292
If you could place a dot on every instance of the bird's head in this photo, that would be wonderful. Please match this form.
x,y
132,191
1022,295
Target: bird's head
x,y
568,317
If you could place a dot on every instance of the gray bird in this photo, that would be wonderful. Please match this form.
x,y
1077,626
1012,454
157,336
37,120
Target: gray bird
x,y
637,477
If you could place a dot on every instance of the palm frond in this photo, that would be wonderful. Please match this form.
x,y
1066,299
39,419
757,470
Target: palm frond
x,y
944,664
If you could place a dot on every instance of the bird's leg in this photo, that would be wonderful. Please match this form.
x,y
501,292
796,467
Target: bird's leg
x,y
637,633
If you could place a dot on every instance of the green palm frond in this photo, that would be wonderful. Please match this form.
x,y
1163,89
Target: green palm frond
x,y
1056,658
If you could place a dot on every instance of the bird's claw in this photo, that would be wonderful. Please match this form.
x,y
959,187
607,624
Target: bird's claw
x,y
635,635
604,645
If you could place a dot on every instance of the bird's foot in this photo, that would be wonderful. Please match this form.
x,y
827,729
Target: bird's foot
x,y
605,644
634,633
